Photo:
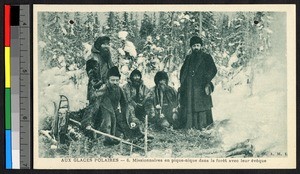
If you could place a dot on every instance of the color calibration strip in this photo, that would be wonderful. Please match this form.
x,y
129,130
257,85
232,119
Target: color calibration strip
x,y
15,85
8,145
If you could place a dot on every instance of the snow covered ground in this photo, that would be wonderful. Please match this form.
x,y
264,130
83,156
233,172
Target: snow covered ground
x,y
260,118
55,82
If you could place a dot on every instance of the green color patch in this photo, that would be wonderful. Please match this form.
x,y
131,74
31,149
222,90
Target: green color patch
x,y
7,108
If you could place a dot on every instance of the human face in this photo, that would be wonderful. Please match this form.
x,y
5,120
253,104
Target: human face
x,y
114,81
136,77
162,83
136,80
105,51
196,47
105,45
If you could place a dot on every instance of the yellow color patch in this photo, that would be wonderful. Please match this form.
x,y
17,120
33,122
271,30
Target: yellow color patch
x,y
7,67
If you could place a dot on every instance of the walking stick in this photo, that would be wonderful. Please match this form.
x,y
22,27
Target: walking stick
x,y
121,147
146,136
108,135
131,149
161,102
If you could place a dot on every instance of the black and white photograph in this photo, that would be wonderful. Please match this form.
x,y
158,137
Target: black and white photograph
x,y
164,86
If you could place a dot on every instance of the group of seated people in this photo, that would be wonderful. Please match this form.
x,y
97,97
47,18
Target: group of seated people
x,y
120,111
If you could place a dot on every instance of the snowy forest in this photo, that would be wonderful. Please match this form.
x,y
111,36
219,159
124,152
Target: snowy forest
x,y
248,48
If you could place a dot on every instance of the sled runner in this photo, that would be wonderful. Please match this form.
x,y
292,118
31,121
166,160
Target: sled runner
x,y
61,121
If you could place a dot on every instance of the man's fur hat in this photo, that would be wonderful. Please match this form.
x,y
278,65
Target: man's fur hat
x,y
194,40
113,71
161,75
101,40
135,72
91,64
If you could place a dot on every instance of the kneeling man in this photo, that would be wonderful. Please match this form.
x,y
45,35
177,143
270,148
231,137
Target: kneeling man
x,y
161,106
109,113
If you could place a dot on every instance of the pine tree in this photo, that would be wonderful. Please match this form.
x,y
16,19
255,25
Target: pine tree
x,y
211,31
133,29
114,24
110,23
53,36
42,26
125,21
96,27
77,24
154,20
164,31
147,26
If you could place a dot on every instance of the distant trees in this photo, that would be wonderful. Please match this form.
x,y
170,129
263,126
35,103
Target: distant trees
x,y
234,39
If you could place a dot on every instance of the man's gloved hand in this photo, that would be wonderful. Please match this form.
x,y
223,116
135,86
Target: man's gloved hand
x,y
174,110
158,107
132,125
208,89
152,114
100,91
133,103
139,104
97,84
89,127
161,116
175,116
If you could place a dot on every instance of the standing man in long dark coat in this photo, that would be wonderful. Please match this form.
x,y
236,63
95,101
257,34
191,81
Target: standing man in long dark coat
x,y
195,87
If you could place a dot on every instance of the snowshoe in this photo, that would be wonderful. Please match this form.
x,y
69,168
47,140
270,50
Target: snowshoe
x,y
61,122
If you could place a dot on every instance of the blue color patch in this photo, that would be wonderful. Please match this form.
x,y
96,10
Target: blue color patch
x,y
8,150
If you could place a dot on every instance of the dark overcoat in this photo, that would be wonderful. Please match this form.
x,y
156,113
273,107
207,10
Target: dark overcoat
x,y
102,68
193,79
168,104
130,92
109,119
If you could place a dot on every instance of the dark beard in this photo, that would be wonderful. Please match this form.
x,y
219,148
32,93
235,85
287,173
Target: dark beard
x,y
196,52
195,57
162,87
114,95
105,54
136,83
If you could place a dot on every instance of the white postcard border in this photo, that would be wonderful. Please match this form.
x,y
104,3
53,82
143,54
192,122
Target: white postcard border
x,y
271,163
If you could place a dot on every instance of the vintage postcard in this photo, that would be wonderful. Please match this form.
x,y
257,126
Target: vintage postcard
x,y
164,86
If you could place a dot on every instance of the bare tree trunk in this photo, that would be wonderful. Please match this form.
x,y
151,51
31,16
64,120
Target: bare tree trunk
x,y
200,23
252,58
250,80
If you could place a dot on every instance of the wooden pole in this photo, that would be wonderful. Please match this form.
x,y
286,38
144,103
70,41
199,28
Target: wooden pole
x,y
116,138
131,149
74,121
146,136
121,147
108,135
